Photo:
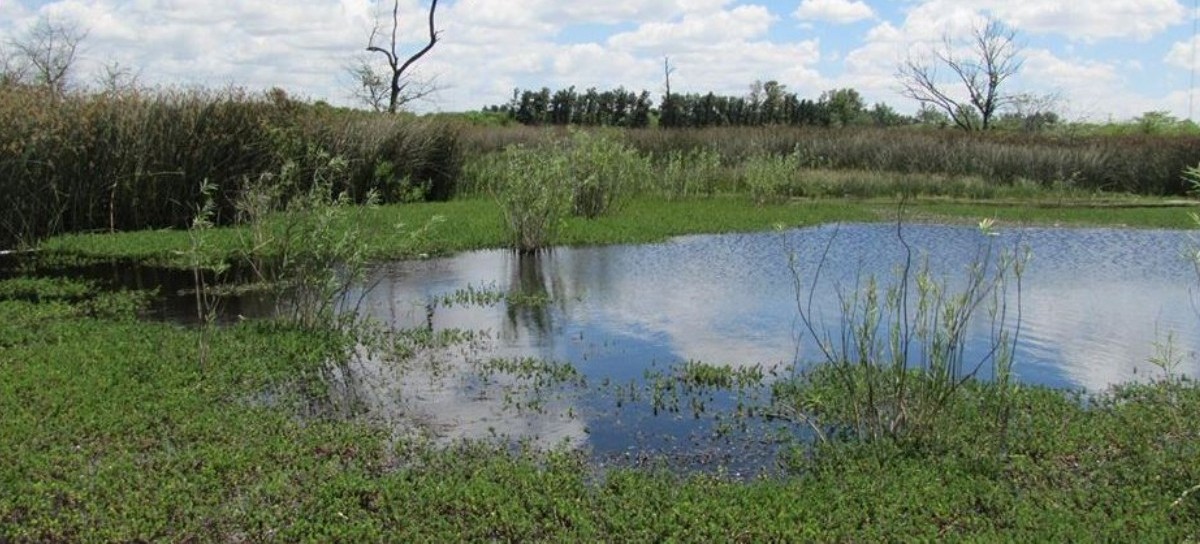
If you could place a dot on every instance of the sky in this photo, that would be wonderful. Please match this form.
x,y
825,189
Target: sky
x,y
1102,59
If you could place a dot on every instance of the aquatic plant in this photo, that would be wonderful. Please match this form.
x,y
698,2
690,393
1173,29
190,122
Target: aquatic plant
x,y
898,361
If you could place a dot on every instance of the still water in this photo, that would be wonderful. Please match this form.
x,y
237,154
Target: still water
x,y
1095,306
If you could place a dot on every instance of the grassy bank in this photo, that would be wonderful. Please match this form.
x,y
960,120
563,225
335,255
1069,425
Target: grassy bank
x,y
477,223
114,431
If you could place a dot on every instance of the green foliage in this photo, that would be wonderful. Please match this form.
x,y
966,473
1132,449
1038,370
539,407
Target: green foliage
x,y
689,173
534,191
603,170
769,177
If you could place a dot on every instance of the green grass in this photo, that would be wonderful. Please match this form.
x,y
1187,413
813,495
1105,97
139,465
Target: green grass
x,y
477,223
113,431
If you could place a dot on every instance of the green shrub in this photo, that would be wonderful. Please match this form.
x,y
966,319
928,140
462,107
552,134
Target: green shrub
x,y
534,191
770,177
603,170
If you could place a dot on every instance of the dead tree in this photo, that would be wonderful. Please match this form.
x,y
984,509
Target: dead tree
x,y
981,66
401,91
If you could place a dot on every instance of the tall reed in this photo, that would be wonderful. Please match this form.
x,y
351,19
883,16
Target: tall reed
x,y
135,160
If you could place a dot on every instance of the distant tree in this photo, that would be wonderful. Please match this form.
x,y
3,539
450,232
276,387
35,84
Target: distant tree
x,y
992,57
930,116
46,53
12,70
843,107
117,79
773,97
1031,112
1156,122
371,86
400,89
882,115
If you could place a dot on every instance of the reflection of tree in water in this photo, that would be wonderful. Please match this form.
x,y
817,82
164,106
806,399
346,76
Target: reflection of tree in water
x,y
531,292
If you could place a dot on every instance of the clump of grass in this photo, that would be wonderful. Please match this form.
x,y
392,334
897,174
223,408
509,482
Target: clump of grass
x,y
36,289
704,375
899,361
541,372
689,173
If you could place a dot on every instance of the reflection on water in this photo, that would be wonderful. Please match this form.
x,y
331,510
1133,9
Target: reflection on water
x,y
1093,304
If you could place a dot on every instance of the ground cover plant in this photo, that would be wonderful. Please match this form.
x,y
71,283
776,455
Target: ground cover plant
x,y
112,431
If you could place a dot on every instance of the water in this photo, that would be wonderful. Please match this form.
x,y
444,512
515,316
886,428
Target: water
x,y
1093,305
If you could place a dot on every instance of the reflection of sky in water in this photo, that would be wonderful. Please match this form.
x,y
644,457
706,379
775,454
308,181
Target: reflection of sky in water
x,y
1093,304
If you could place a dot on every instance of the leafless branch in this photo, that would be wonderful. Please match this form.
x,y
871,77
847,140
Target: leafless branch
x,y
49,49
398,87
993,57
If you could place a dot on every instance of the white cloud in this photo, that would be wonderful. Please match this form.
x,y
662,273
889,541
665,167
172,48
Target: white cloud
x,y
834,11
490,46
698,30
1093,19
1183,54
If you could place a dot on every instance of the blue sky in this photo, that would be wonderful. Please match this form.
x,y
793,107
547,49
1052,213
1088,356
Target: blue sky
x,y
1103,59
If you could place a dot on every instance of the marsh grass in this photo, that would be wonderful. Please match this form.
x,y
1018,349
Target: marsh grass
x,y
136,160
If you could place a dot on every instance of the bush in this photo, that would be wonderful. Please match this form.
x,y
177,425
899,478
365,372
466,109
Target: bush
x,y
603,170
534,191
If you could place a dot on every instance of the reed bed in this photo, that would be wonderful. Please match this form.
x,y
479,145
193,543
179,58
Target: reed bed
x,y
137,160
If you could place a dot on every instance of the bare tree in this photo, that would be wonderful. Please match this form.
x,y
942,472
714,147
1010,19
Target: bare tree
x,y
981,66
12,69
371,87
400,90
118,79
49,51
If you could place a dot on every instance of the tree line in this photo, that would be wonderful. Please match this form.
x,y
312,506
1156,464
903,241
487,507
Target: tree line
x,y
767,103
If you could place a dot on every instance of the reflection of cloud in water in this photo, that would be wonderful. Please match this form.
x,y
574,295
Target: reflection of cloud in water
x,y
1094,302
439,392
1098,333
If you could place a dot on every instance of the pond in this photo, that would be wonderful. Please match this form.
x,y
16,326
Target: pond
x,y
592,347
1095,306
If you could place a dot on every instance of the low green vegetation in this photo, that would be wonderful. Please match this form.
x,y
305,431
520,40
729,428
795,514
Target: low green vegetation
x,y
112,431
438,228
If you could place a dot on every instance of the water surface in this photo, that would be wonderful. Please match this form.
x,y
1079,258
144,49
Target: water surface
x,y
1095,306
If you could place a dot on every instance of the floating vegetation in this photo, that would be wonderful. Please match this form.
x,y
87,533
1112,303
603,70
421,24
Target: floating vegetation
x,y
541,372
487,296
